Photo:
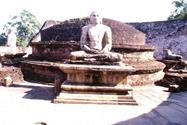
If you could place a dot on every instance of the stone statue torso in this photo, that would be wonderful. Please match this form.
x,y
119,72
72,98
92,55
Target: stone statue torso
x,y
96,43
95,35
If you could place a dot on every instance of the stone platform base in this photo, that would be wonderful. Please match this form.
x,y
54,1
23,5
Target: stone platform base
x,y
178,78
11,59
76,94
40,72
134,74
12,72
175,80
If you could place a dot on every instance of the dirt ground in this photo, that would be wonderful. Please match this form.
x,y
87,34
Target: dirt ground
x,y
27,103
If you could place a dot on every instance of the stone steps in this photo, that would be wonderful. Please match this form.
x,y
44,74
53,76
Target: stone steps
x,y
76,94
88,98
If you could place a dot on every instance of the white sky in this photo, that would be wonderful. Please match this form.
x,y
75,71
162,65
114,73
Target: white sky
x,y
122,10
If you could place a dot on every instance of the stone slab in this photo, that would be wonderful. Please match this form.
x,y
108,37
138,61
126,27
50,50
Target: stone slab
x,y
88,98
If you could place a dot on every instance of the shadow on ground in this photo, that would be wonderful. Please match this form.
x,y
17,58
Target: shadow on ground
x,y
37,92
173,111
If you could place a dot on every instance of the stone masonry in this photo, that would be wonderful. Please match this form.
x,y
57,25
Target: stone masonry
x,y
165,35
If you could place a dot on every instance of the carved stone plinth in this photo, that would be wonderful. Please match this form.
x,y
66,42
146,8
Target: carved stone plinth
x,y
94,74
95,84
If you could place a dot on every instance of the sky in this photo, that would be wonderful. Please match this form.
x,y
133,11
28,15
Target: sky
x,y
121,10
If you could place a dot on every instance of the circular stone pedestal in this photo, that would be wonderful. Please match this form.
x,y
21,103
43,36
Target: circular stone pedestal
x,y
97,75
112,75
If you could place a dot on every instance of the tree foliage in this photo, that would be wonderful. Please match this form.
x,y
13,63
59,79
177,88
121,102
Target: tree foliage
x,y
2,39
180,10
26,25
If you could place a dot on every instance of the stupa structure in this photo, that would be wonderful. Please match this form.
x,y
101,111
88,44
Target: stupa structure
x,y
83,82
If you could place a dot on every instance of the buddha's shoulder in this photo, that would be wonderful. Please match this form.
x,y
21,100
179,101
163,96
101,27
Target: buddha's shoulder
x,y
86,27
101,26
105,27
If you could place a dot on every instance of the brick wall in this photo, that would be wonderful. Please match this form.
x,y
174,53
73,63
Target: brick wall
x,y
165,34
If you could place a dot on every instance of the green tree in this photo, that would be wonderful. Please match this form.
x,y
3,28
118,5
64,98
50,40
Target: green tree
x,y
26,25
2,39
180,10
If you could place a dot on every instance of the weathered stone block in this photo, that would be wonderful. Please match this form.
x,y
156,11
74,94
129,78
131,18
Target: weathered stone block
x,y
7,81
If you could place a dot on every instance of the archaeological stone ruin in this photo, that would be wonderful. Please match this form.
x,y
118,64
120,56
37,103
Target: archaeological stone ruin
x,y
9,65
49,62
143,59
168,35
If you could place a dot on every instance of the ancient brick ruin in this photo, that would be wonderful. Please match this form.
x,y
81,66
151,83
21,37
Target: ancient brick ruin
x,y
169,35
9,65
58,39
52,47
165,35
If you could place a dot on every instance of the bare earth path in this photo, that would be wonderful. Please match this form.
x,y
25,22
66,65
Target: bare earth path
x,y
28,103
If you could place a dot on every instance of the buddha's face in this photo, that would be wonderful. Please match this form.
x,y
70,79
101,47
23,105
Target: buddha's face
x,y
95,18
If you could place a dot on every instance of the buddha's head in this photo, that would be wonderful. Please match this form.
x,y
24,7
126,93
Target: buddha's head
x,y
95,18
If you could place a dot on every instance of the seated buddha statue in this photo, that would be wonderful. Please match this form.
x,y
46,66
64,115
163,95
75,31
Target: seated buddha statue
x,y
96,42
